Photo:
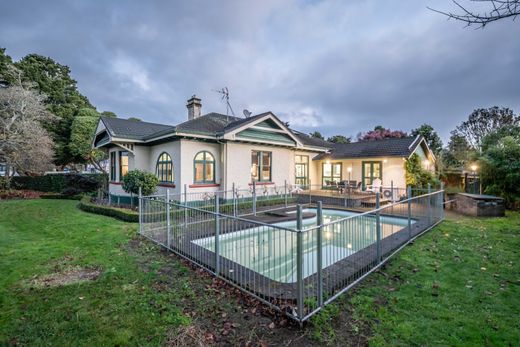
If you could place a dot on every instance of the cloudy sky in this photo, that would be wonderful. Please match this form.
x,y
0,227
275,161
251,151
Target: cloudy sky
x,y
338,66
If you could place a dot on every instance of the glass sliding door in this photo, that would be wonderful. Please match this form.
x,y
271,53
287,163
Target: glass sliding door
x,y
301,170
370,171
331,174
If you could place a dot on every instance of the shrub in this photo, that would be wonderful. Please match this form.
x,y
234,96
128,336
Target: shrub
x,y
416,176
500,170
136,179
61,196
57,183
125,215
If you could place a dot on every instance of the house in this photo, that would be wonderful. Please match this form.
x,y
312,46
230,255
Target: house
x,y
216,152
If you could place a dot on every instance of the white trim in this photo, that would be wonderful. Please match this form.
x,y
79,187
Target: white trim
x,y
231,135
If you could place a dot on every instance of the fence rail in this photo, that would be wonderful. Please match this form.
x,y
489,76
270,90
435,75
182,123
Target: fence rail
x,y
298,261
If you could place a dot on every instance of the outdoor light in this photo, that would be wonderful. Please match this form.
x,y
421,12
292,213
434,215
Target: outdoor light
x,y
474,167
349,169
384,160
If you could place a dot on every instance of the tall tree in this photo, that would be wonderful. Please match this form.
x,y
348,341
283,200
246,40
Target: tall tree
x,y
500,170
63,98
430,135
24,143
317,134
339,139
7,73
458,153
380,133
484,121
82,132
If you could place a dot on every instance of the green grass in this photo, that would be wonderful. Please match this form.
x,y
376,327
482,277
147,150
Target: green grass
x,y
457,285
39,237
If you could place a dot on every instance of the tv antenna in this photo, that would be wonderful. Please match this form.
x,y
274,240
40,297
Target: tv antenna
x,y
247,113
225,97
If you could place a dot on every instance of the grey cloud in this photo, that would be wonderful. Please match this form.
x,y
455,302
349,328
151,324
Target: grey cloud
x,y
340,66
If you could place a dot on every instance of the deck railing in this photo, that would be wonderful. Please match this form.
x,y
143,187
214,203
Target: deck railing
x,y
297,266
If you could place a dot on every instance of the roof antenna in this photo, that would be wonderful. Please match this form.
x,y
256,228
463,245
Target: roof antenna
x,y
247,113
225,96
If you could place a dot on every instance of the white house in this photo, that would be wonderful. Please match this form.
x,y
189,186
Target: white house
x,y
214,151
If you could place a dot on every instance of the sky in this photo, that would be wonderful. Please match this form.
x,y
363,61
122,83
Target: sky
x,y
340,67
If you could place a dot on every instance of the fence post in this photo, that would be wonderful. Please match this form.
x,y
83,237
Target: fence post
x,y
285,192
234,200
442,201
185,204
254,198
428,206
310,193
378,228
409,193
140,211
168,221
320,253
217,236
299,260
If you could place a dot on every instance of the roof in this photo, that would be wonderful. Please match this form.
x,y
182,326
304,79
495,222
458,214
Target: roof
x,y
312,141
211,124
394,147
134,130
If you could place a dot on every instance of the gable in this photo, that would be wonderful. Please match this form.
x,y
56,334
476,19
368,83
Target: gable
x,y
268,124
266,135
263,128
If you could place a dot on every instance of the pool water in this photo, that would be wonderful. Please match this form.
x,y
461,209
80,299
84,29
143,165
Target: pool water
x,y
272,252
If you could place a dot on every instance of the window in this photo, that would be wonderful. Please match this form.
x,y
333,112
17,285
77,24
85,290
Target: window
x,y
204,168
113,166
331,173
370,171
301,170
261,166
123,164
164,168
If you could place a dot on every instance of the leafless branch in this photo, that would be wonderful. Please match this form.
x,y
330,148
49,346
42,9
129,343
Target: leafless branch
x,y
499,9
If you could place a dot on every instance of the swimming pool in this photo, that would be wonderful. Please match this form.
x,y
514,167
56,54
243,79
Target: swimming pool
x,y
271,252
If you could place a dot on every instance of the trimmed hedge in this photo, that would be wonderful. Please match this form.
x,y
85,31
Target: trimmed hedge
x,y
71,184
61,196
125,215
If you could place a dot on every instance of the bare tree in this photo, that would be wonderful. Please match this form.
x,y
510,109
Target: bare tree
x,y
24,144
498,9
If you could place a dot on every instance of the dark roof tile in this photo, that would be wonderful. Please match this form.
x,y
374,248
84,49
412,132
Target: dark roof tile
x,y
134,130
395,147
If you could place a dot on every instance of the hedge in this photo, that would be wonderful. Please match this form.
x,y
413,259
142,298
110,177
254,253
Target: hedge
x,y
125,215
72,184
61,196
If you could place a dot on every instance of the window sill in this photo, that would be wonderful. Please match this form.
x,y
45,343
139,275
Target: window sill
x,y
204,185
262,183
168,185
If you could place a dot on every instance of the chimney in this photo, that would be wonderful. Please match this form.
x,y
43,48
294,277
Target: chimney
x,y
194,107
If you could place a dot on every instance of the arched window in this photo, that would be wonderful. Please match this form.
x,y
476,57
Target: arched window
x,y
204,168
164,168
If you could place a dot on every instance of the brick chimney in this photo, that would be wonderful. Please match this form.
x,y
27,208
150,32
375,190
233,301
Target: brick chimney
x,y
194,106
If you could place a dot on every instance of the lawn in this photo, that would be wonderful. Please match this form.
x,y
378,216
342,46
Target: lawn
x,y
457,285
